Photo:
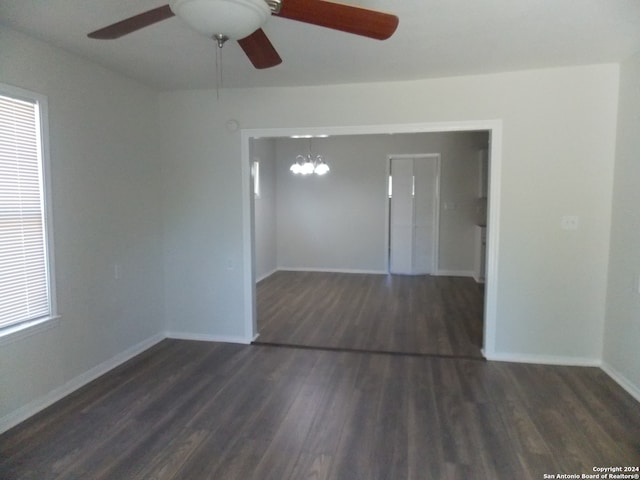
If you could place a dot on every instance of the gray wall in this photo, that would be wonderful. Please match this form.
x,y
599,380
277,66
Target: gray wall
x,y
622,328
339,221
106,210
558,149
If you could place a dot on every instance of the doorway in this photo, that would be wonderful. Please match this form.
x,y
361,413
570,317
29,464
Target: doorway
x,y
492,127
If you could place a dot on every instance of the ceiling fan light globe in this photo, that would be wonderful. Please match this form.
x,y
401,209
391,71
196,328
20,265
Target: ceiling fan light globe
x,y
235,19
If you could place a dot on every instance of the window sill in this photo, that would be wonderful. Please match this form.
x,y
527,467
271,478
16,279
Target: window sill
x,y
14,333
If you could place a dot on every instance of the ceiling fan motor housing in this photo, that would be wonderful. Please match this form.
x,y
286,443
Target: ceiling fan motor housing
x,y
234,19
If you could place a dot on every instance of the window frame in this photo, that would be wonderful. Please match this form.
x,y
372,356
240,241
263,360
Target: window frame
x,y
24,328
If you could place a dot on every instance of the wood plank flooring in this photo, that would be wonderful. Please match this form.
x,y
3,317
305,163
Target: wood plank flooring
x,y
199,410
389,313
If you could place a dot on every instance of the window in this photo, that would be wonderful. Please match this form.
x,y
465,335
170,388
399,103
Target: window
x,y
25,274
256,178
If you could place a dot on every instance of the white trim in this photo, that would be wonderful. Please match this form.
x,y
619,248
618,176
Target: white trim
x,y
543,359
42,113
249,273
332,270
21,330
387,213
455,273
456,126
205,337
266,275
493,244
48,203
621,380
436,214
494,126
21,414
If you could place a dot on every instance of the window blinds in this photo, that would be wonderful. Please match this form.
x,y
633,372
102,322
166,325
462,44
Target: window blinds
x,y
24,286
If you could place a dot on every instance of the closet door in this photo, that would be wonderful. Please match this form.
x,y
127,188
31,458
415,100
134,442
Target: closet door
x,y
401,219
425,231
413,223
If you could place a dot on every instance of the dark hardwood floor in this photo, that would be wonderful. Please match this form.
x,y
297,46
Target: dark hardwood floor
x,y
390,313
199,410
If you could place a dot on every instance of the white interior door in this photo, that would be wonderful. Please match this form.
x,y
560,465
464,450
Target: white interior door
x,y
425,173
414,215
401,219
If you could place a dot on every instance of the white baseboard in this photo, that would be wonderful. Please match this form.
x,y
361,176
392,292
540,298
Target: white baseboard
x,y
621,380
455,273
332,270
14,418
203,337
21,414
544,359
266,275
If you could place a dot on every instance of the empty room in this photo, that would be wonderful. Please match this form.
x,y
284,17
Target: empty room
x,y
150,187
347,259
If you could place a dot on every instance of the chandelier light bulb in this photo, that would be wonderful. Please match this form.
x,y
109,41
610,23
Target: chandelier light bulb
x,y
321,168
307,167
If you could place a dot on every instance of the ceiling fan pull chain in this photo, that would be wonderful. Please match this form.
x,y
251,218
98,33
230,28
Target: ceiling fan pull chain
x,y
220,39
218,72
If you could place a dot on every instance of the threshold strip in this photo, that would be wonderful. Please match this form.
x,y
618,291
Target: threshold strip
x,y
372,352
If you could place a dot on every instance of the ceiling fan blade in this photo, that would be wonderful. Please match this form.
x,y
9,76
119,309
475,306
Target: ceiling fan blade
x,y
132,24
346,18
260,50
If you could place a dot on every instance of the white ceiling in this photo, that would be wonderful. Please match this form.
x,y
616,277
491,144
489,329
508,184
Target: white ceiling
x,y
435,38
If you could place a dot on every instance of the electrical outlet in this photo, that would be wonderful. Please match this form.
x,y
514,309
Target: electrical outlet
x,y
569,222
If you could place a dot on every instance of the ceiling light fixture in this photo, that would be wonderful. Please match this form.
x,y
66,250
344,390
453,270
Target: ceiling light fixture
x,y
223,19
308,164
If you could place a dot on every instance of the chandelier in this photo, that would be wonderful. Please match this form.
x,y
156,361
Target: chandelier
x,y
309,164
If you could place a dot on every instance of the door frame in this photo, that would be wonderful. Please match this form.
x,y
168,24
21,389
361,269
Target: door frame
x,y
494,127
436,213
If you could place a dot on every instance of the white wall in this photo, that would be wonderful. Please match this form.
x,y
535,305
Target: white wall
x,y
266,258
558,148
339,221
106,211
622,328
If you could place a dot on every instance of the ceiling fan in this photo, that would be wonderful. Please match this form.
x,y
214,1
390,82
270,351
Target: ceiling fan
x,y
242,20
